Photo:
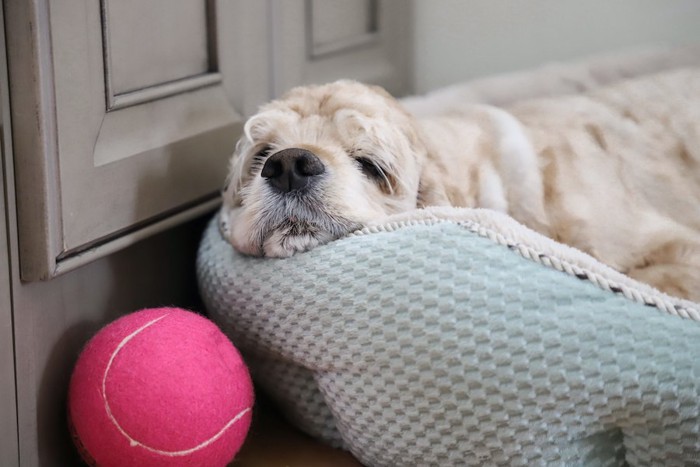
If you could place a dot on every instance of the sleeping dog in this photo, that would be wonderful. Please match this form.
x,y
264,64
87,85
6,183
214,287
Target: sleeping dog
x,y
614,172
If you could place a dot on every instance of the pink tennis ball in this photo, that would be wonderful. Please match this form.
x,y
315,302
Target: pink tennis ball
x,y
160,387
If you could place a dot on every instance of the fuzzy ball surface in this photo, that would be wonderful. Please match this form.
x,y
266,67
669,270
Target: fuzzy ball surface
x,y
160,387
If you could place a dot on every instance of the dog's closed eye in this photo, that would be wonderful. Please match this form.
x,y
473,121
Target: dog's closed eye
x,y
376,173
259,158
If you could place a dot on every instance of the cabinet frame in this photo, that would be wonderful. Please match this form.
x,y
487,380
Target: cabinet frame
x,y
50,243
61,194
9,437
212,76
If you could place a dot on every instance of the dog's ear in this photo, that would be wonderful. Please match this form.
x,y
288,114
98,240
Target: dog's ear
x,y
230,194
237,174
431,188
431,172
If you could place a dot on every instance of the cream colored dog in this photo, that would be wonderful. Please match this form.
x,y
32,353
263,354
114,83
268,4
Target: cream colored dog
x,y
615,172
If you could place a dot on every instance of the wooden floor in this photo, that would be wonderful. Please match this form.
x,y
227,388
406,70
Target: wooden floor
x,y
273,442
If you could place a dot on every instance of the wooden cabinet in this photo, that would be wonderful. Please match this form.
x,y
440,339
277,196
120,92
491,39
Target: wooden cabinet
x,y
132,128
9,454
323,40
9,441
119,120
125,112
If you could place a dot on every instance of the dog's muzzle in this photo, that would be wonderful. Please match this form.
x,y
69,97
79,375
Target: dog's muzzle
x,y
292,169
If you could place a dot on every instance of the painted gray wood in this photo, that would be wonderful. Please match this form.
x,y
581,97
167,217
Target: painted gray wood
x,y
8,408
359,25
54,319
9,442
171,37
9,447
126,113
32,121
108,183
245,66
9,455
319,41
90,179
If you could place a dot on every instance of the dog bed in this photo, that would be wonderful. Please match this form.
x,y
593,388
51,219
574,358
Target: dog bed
x,y
455,337
459,337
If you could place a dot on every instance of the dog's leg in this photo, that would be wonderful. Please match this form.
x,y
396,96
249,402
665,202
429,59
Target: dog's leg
x,y
674,268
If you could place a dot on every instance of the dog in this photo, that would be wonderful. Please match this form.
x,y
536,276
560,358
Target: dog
x,y
614,172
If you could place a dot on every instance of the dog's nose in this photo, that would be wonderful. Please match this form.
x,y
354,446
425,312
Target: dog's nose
x,y
292,169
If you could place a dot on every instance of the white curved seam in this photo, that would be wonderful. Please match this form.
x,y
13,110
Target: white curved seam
x,y
132,441
200,446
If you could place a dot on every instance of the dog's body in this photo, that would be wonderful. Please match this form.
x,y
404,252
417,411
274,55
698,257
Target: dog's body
x,y
615,173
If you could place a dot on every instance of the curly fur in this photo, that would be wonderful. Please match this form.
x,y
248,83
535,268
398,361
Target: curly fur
x,y
614,172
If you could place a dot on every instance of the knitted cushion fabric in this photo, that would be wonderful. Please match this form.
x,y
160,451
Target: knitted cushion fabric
x,y
459,337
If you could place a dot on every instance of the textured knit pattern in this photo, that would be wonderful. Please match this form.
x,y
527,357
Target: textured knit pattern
x,y
434,344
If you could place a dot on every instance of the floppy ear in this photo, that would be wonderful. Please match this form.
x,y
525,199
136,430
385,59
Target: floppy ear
x,y
255,132
237,174
432,175
431,189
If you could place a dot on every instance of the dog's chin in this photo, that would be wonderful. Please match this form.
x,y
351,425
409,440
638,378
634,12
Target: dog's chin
x,y
294,236
283,243
282,236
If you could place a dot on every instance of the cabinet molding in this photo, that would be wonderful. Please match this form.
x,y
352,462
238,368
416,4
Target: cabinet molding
x,y
125,113
207,75
99,166
359,28
317,41
33,133
9,438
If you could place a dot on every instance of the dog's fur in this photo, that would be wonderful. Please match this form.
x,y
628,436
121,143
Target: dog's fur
x,y
615,172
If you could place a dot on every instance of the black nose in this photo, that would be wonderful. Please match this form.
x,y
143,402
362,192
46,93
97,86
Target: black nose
x,y
292,169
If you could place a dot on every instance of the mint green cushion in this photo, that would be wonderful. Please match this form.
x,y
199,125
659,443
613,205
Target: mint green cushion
x,y
445,343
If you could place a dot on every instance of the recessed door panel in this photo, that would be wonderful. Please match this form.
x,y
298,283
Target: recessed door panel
x,y
135,128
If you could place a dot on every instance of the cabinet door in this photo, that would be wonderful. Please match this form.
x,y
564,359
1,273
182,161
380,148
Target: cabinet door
x,y
9,443
317,41
8,409
9,455
121,122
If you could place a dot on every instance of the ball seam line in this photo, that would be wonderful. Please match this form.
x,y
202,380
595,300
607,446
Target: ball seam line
x,y
133,442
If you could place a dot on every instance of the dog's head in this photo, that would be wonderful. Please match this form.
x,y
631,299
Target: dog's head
x,y
317,164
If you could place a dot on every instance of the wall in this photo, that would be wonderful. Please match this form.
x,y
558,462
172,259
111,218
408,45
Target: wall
x,y
461,39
